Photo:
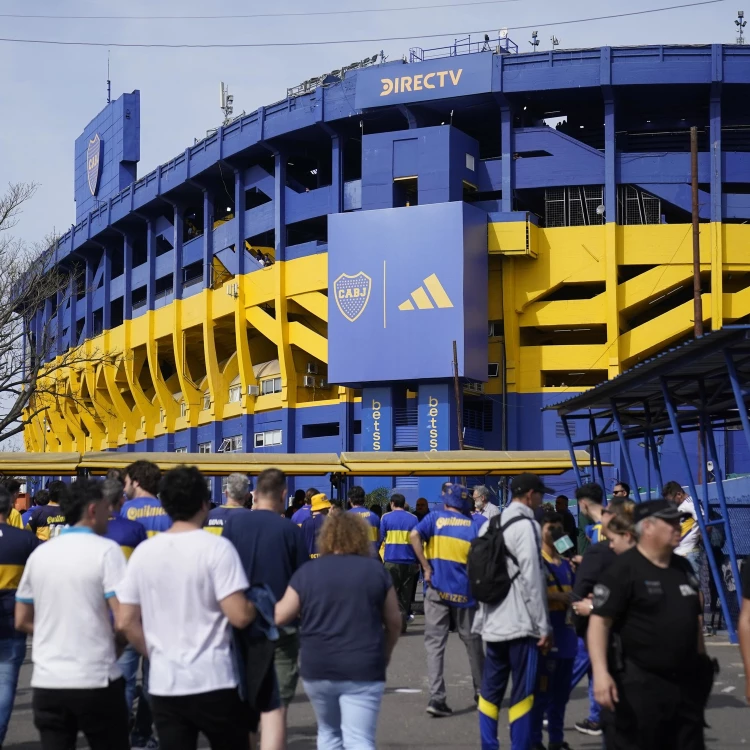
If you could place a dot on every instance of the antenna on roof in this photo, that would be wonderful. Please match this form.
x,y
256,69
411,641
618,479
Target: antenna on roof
x,y
534,40
740,23
226,102
109,83
555,41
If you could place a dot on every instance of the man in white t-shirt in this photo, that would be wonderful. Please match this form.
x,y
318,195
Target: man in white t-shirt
x,y
65,597
690,546
182,590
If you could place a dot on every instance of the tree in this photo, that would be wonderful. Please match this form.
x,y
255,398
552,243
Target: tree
x,y
34,378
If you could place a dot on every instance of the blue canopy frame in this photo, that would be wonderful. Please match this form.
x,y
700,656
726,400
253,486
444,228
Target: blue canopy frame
x,y
701,385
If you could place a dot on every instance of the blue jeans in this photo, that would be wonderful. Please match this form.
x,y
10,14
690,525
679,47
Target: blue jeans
x,y
347,712
12,654
128,663
695,558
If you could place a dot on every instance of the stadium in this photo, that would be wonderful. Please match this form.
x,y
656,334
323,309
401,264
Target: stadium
x,y
298,280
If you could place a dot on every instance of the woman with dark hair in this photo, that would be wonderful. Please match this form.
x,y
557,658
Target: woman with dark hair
x,y
349,625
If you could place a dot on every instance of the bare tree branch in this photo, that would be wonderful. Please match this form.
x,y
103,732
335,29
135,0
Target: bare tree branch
x,y
35,371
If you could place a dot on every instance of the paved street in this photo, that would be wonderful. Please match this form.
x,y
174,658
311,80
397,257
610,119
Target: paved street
x,y
404,724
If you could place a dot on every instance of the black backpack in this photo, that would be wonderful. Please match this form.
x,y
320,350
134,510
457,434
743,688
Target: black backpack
x,y
487,566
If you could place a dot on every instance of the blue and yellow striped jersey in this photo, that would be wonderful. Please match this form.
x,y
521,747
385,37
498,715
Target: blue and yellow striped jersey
x,y
217,517
395,528
447,536
149,512
15,547
373,521
46,521
128,534
560,572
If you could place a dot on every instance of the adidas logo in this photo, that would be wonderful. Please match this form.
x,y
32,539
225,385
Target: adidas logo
x,y
421,299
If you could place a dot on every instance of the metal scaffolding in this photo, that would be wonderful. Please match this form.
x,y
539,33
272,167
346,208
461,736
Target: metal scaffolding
x,y
700,386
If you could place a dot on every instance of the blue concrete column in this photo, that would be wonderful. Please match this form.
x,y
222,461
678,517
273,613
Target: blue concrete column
x,y
208,239
507,143
279,204
89,326
337,174
127,290
177,279
610,176
107,280
436,418
377,427
73,293
151,264
239,219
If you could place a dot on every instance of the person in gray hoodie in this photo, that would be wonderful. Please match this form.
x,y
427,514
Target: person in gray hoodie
x,y
517,628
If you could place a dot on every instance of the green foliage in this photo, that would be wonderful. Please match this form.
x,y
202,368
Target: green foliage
x,y
379,496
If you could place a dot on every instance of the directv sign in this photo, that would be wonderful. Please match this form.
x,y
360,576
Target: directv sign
x,y
403,284
460,75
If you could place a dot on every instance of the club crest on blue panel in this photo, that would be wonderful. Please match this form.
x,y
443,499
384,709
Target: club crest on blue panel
x,y
352,294
93,162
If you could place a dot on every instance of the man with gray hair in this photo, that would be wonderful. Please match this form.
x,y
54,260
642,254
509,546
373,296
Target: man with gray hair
x,y
237,491
483,504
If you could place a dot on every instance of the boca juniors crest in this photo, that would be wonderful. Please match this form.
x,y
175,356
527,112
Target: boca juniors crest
x,y
352,294
93,162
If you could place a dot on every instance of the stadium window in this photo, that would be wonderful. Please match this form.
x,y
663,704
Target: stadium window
x,y
180,450
235,394
231,444
204,447
268,438
357,427
325,429
206,401
183,409
405,192
270,385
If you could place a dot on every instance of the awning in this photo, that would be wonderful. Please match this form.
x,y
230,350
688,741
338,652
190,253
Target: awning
x,y
459,463
219,464
39,464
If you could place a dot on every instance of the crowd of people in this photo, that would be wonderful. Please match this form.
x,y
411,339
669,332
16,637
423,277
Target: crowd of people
x,y
220,626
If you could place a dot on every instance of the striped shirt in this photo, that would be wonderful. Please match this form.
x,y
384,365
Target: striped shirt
x,y
395,528
128,534
149,512
15,547
217,517
373,521
447,536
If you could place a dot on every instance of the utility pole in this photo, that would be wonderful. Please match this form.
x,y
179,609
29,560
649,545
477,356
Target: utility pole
x,y
457,391
697,300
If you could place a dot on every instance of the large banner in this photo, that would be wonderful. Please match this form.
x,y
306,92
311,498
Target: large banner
x,y
446,77
403,284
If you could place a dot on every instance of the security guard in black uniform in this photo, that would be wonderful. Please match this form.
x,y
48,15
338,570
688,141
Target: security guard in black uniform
x,y
651,674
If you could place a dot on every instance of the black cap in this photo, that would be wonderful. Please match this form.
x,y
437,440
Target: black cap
x,y
658,509
522,483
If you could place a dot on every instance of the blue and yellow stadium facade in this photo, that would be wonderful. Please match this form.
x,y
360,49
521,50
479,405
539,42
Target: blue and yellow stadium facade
x,y
294,281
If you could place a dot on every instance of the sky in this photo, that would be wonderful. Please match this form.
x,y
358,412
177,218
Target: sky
x,y
49,93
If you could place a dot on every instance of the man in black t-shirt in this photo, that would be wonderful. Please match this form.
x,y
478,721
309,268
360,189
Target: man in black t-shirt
x,y
653,688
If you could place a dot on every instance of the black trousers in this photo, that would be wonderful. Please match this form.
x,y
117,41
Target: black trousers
x,y
219,715
100,713
655,713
